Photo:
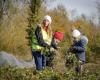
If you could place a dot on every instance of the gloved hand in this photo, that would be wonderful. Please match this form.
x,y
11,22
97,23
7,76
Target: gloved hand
x,y
58,47
52,49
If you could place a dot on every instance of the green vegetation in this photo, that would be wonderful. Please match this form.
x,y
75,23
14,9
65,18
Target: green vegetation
x,y
10,73
33,19
16,30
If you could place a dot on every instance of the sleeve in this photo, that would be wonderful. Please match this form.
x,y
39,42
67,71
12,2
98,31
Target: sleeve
x,y
53,44
80,48
39,37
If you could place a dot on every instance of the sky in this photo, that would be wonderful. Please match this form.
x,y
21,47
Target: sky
x,y
87,7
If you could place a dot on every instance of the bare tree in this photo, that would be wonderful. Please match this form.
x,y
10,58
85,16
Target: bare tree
x,y
3,7
98,7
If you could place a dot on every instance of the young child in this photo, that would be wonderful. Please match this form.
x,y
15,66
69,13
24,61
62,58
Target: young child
x,y
57,38
78,47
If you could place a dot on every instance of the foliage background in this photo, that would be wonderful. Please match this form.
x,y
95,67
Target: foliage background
x,y
17,21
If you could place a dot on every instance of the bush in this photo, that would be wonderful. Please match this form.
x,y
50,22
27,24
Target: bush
x,y
11,73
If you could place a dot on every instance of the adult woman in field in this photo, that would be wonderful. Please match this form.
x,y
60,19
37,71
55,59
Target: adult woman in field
x,y
42,41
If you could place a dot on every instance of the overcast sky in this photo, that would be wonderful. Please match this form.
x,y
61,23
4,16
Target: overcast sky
x,y
87,7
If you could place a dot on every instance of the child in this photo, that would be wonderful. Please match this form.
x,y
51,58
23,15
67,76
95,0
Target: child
x,y
57,38
78,47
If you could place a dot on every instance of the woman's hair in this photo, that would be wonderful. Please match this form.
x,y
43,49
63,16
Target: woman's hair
x,y
49,29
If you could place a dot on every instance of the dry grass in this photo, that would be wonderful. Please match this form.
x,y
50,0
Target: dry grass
x,y
13,35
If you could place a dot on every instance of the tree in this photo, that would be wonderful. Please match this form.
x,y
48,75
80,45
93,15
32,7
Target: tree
x,y
34,17
3,8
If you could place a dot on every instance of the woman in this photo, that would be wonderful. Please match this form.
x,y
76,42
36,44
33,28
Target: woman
x,y
41,41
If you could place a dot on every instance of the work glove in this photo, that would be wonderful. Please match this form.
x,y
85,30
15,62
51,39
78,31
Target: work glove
x,y
52,49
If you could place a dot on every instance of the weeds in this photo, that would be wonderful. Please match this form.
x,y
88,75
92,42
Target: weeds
x,y
11,73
